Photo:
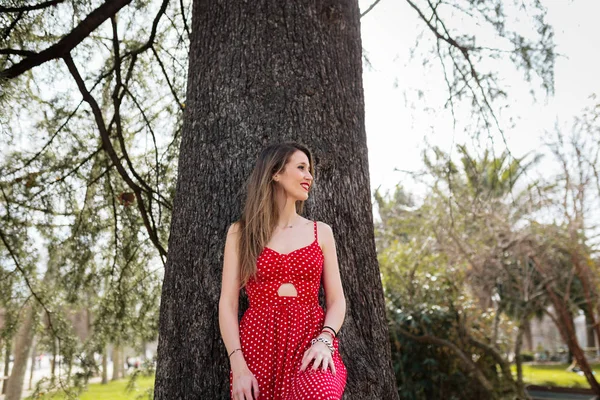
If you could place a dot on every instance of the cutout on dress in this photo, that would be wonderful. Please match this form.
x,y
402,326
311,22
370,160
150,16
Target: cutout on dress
x,y
287,290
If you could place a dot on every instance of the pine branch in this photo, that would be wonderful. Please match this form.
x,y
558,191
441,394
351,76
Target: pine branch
x,y
29,284
33,7
17,52
68,42
12,25
108,147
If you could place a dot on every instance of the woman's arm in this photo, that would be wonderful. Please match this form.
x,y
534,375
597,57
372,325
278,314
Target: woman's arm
x,y
228,303
332,283
319,354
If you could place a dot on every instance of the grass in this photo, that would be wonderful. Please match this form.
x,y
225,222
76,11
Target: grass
x,y
115,390
554,375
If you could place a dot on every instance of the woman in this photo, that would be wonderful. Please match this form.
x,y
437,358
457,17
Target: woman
x,y
285,347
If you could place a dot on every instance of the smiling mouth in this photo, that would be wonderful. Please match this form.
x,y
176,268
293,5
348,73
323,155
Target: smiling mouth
x,y
305,186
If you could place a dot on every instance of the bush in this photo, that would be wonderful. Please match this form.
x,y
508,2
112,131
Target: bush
x,y
527,356
429,371
431,301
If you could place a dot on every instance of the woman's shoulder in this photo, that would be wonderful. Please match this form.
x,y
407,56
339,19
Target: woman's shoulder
x,y
321,224
234,228
324,229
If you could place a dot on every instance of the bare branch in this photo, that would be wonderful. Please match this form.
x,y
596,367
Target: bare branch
x,y
185,24
370,8
469,365
150,41
162,68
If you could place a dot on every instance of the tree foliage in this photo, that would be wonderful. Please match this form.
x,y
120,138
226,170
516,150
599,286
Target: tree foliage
x,y
478,257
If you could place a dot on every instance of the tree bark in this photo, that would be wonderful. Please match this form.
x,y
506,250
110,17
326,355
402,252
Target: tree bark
x,y
53,362
116,362
23,342
566,328
104,366
122,358
263,72
583,272
6,364
590,331
528,335
32,370
518,360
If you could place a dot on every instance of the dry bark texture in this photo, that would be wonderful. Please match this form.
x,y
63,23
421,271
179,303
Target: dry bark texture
x,y
261,72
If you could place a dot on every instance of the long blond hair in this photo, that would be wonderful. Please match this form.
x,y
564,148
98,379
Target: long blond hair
x,y
260,214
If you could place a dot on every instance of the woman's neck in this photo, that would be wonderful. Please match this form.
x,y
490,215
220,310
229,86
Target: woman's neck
x,y
287,213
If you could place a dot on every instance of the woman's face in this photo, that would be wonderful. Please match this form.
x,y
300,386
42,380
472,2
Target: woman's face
x,y
295,179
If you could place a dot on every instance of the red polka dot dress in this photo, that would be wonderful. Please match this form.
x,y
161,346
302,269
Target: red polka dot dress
x,y
275,331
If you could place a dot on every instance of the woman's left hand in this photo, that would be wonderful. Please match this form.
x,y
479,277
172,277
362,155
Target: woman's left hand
x,y
320,353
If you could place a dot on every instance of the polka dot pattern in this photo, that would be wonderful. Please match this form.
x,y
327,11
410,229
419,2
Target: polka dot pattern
x,y
275,331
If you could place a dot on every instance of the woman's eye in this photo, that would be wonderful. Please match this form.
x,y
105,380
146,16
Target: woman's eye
x,y
301,167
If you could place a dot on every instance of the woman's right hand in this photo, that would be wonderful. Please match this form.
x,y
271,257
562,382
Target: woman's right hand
x,y
244,383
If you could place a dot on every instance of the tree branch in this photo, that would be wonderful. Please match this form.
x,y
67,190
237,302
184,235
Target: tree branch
x,y
108,147
469,365
370,8
18,52
27,281
12,25
31,7
68,42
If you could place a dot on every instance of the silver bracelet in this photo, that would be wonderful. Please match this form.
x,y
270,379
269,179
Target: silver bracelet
x,y
323,340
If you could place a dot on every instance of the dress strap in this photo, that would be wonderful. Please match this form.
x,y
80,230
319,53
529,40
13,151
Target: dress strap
x,y
315,224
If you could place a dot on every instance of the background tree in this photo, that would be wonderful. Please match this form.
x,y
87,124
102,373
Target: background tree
x,y
445,338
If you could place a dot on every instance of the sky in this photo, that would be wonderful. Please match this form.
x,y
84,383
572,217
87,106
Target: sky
x,y
397,131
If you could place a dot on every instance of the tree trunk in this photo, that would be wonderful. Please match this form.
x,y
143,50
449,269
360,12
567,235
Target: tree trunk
x,y
53,362
23,342
6,365
518,360
590,331
263,72
144,350
116,362
528,335
566,327
122,358
33,356
104,366
497,315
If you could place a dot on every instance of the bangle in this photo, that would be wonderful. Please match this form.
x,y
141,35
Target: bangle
x,y
230,354
328,333
332,330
